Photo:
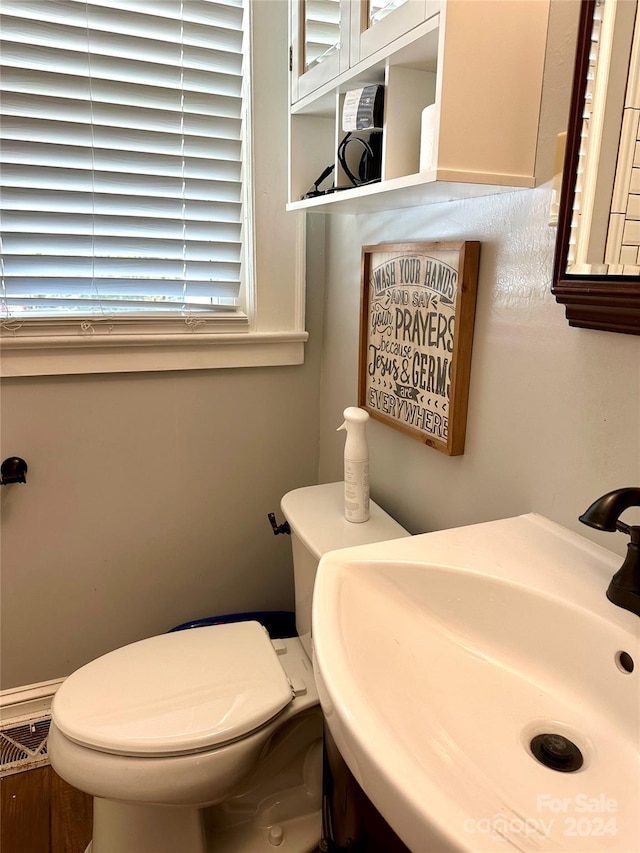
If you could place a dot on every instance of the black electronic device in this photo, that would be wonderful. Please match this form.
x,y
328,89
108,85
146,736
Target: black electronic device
x,y
359,157
361,167
363,109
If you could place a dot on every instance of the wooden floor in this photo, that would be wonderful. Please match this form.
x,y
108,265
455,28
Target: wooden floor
x,y
40,813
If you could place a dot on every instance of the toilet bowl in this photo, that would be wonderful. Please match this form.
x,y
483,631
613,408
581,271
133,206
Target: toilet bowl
x,y
209,739
180,721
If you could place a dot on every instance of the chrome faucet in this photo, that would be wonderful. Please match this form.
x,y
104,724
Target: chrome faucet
x,y
604,514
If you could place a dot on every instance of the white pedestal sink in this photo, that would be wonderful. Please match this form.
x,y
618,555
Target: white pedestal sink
x,y
440,657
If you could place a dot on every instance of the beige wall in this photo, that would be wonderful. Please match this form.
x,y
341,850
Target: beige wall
x,y
554,412
147,494
146,502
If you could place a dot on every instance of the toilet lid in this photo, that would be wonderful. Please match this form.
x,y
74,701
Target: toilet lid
x,y
176,693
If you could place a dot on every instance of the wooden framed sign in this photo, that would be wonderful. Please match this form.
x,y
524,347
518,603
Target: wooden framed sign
x,y
416,331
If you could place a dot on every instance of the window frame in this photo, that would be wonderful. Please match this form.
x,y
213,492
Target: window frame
x,y
271,331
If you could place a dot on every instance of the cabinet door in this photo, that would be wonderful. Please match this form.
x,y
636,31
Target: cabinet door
x,y
319,43
377,23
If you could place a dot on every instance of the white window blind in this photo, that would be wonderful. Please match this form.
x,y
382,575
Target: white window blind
x,y
121,179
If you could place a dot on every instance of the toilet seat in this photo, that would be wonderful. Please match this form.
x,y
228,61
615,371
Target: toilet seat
x,y
176,693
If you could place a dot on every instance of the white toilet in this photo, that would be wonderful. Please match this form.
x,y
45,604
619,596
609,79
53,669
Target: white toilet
x,y
210,739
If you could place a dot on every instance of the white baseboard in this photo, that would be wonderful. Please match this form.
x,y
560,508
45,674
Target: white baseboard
x,y
27,701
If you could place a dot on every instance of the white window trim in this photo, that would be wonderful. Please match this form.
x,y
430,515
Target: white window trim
x,y
272,333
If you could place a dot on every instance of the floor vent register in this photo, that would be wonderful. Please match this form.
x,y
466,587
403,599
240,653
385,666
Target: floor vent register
x,y
23,746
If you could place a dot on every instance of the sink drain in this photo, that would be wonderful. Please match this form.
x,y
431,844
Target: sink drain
x,y
557,752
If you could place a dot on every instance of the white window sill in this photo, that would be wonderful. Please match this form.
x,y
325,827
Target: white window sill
x,y
34,355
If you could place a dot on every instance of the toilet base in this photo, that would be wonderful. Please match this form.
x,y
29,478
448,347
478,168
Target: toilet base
x,y
279,806
146,828
297,835
276,808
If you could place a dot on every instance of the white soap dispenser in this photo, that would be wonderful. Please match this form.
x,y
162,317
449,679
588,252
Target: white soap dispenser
x,y
356,465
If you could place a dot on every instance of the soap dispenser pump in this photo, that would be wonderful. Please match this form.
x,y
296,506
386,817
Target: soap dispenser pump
x,y
356,465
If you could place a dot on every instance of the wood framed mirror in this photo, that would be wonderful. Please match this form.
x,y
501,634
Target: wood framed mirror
x,y
597,262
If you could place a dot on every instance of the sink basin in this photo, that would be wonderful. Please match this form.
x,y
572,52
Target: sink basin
x,y
439,658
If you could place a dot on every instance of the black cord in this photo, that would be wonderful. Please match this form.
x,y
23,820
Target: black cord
x,y
367,160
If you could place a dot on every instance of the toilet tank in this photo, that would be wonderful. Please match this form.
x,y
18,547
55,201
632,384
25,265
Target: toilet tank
x,y
316,517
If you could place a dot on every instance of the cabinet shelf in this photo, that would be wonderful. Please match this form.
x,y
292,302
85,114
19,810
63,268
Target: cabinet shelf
x,y
410,191
479,64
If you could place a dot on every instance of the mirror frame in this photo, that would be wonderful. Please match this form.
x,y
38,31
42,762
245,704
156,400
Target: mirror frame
x,y
609,303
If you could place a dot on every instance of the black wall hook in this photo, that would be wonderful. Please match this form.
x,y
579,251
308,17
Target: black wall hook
x,y
13,470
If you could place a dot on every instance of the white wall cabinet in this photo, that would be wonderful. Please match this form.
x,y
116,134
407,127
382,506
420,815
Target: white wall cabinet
x,y
319,39
479,62
367,36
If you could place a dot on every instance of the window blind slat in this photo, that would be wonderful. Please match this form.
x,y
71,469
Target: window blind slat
x,y
158,19
119,116
59,156
97,267
103,204
40,84
121,143
222,12
98,309
27,129
39,21
219,56
48,59
92,286
151,186
78,225
57,245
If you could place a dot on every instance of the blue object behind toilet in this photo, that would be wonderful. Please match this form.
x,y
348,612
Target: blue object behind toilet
x,y
278,623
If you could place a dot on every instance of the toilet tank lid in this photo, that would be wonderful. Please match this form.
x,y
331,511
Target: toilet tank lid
x,y
316,516
175,693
